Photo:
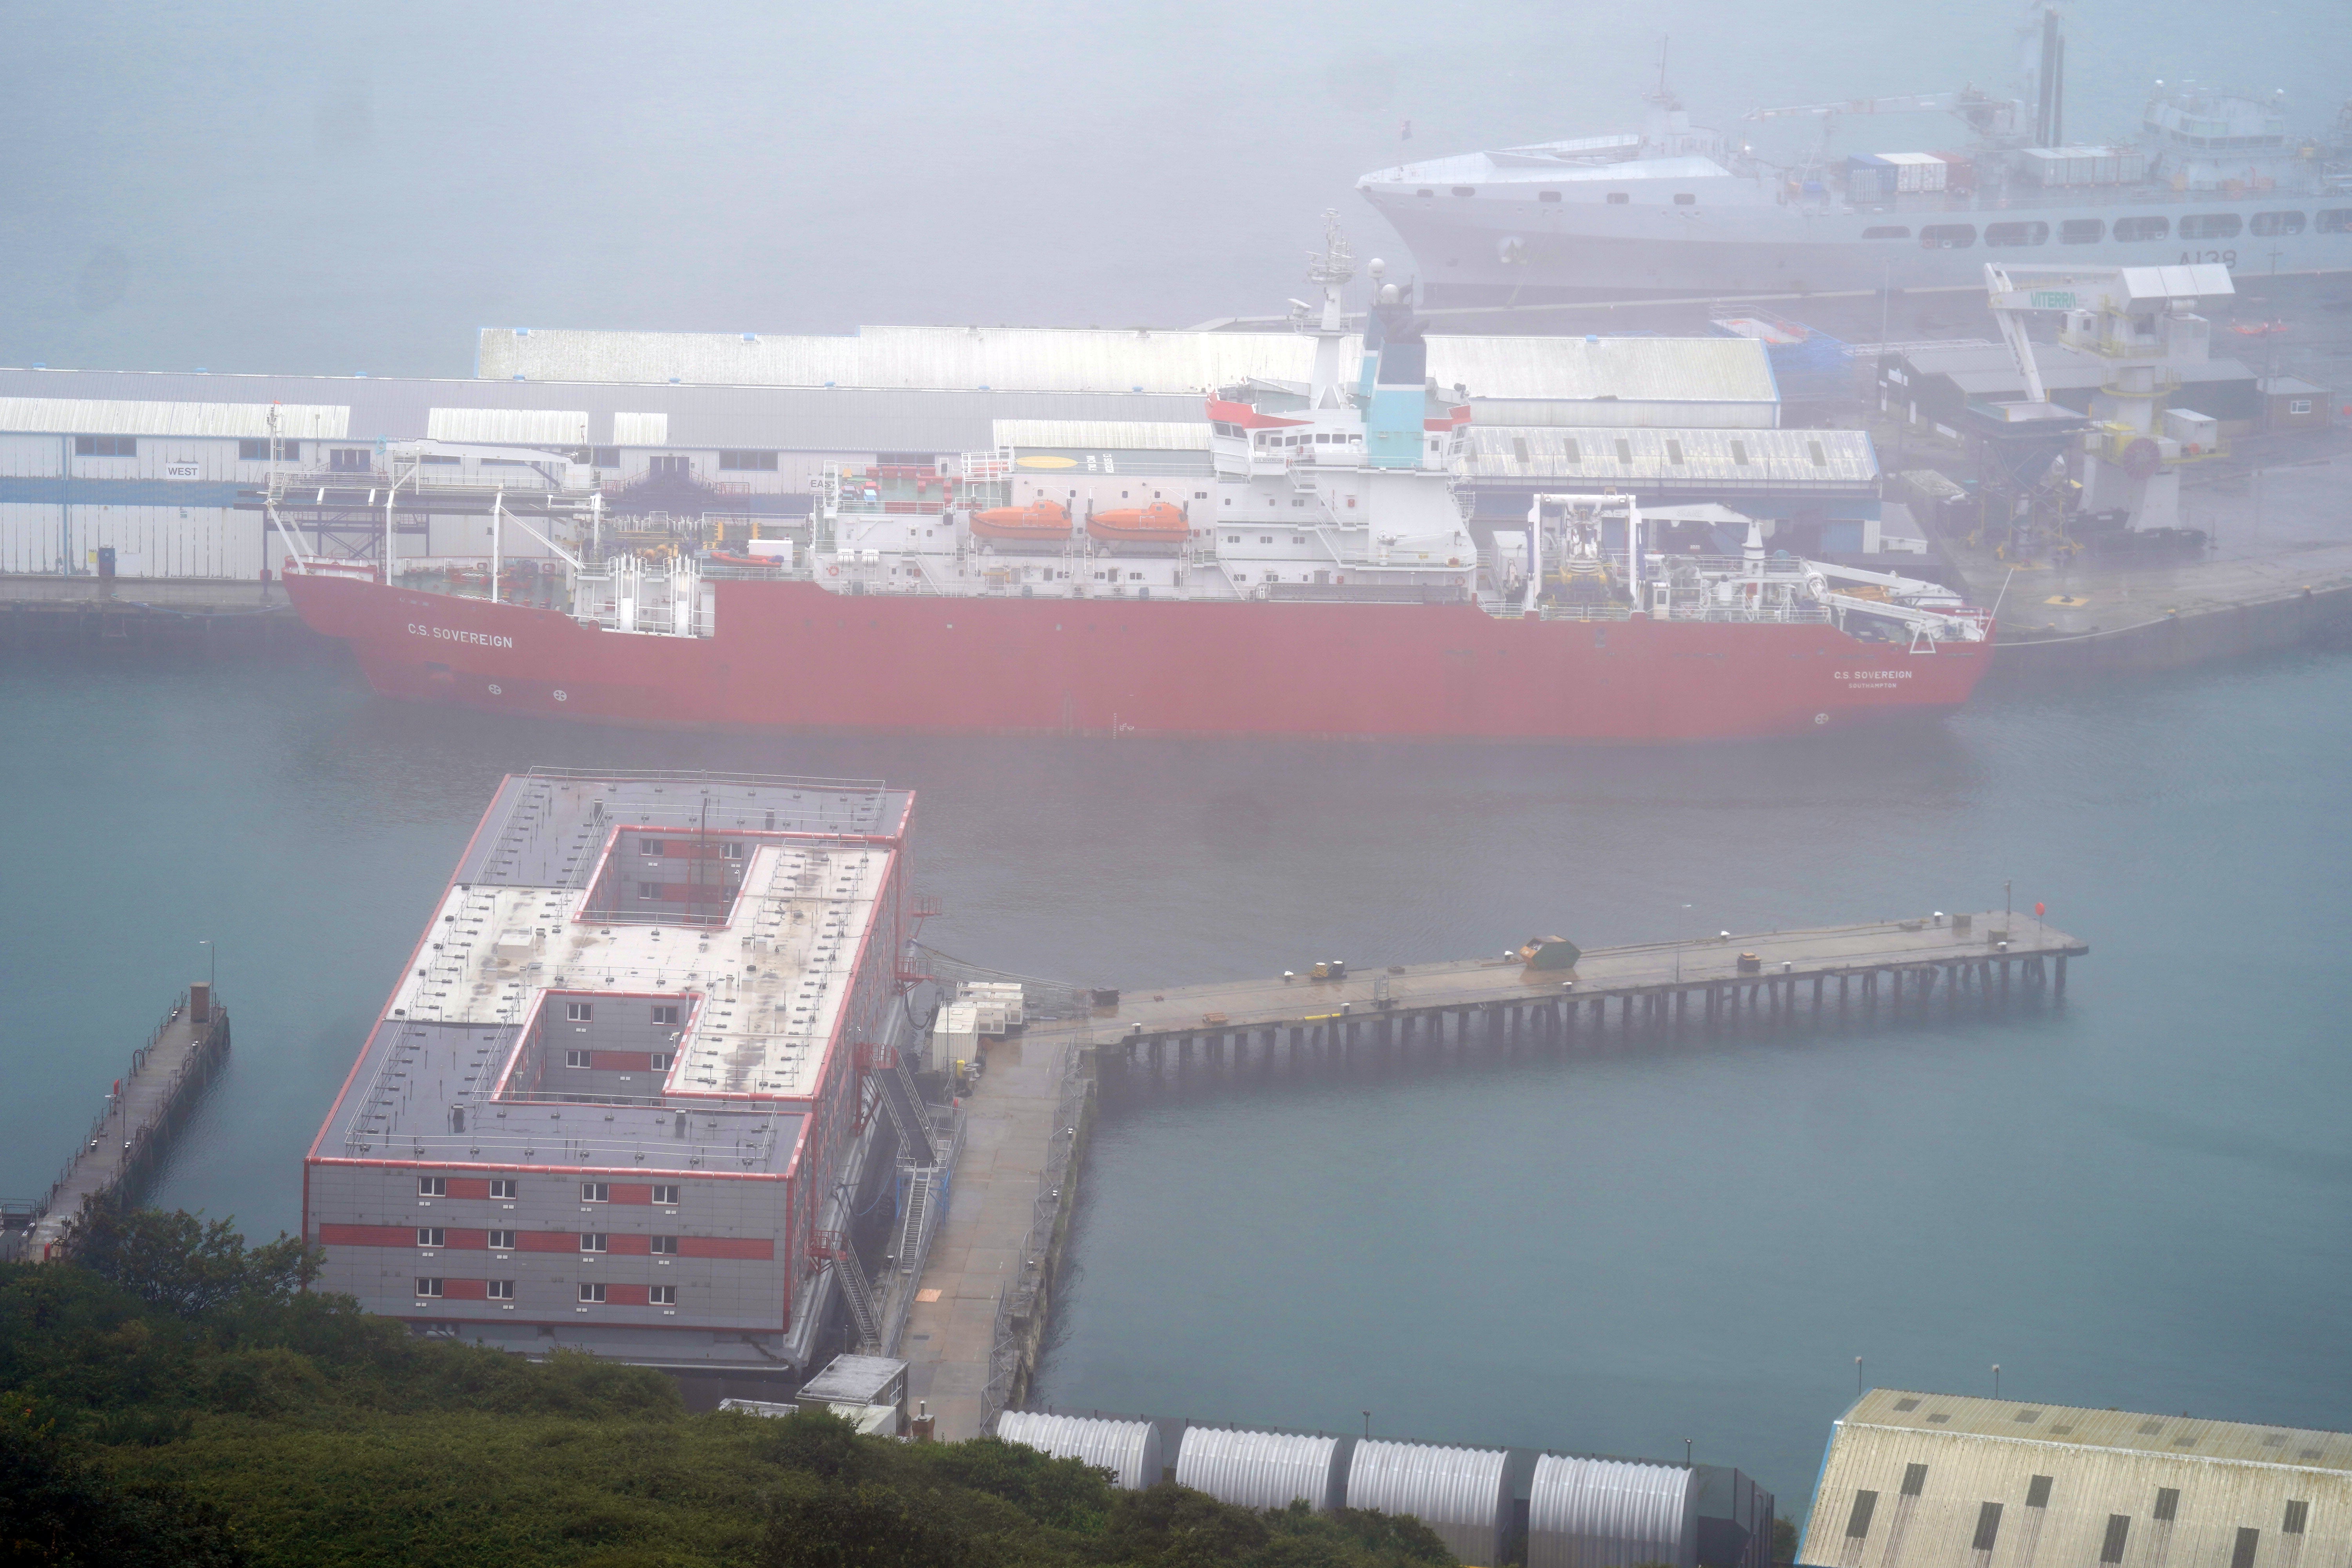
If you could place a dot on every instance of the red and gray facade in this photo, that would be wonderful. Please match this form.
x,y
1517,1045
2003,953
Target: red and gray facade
x,y
612,1102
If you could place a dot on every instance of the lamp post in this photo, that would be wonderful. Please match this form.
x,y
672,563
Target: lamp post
x,y
1996,1379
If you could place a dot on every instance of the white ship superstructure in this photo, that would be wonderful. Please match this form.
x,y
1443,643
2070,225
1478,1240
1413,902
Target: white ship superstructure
x,y
1676,209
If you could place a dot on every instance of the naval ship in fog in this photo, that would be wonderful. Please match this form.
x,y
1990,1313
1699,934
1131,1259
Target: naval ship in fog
x,y
1677,209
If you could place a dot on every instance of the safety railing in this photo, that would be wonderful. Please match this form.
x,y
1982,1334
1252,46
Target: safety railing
x,y
1016,1299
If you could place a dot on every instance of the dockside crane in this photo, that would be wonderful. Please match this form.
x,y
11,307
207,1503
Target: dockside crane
x,y
2141,321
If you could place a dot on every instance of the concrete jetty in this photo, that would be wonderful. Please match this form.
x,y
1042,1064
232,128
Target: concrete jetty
x,y
128,1142
985,1289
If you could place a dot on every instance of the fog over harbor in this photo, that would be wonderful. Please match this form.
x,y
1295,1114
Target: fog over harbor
x,y
2135,1200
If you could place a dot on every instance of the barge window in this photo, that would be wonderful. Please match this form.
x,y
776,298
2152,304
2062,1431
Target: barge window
x,y
351,459
1569,449
1685,199
432,1186
2210,226
1466,190
666,1013
2082,231
1625,450
501,1291
595,1241
579,1012
109,447
427,1290
431,1236
502,1187
591,1293
1620,198
764,460
1948,237
658,1061
1820,459
2153,225
1888,231
666,1196
502,1241
1425,193
258,451
1739,453
2017,234
604,456
662,1295
2269,224
1547,195
576,1059
2334,220
2111,1550
1674,451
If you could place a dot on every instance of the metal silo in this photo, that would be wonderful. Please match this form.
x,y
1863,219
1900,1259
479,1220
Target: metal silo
x,y
1462,1494
1260,1469
1130,1450
1610,1513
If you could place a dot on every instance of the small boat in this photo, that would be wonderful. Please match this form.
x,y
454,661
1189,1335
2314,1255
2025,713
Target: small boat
x,y
729,558
2257,329
1159,523
1039,523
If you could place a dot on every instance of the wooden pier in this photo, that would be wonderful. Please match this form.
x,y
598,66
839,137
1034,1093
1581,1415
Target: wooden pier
x,y
1924,967
127,1144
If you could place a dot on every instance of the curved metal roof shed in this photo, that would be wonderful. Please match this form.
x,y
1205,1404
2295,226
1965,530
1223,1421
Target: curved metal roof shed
x,y
1260,1469
1462,1494
1610,1513
1130,1450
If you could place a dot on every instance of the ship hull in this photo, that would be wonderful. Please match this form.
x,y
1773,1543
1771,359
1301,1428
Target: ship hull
x,y
793,655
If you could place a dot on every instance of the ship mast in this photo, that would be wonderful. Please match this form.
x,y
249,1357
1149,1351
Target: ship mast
x,y
1330,270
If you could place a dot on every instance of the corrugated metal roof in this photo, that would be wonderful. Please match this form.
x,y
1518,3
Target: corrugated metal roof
x,y
1913,1481
640,429
1631,369
1130,1450
1114,434
1462,1494
119,416
1259,1469
809,419
1610,1513
509,427
1066,359
1630,457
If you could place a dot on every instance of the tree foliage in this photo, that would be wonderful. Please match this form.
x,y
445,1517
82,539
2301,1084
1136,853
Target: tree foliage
x,y
174,1396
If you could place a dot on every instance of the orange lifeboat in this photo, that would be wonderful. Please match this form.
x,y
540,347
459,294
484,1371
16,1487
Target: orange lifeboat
x,y
1039,523
1159,523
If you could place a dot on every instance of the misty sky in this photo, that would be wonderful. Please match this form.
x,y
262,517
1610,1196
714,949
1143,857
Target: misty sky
x,y
264,186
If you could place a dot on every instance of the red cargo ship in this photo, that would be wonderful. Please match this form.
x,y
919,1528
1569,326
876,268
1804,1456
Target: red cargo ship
x,y
1329,582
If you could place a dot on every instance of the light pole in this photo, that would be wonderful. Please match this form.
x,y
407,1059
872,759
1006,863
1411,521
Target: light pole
x,y
1996,1379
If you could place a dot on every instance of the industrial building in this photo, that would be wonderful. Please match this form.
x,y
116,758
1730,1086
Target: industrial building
x,y
135,474
1591,380
1918,1480
622,1096
1934,384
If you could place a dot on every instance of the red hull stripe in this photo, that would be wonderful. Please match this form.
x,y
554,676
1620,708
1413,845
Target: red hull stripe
x,y
1010,666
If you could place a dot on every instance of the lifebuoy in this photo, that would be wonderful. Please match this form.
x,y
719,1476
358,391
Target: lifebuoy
x,y
832,571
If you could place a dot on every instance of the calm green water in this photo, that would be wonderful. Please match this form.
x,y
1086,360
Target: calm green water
x,y
2140,1201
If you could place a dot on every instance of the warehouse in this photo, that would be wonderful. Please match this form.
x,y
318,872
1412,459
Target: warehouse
x,y
1928,1480
1591,380
1934,384
147,464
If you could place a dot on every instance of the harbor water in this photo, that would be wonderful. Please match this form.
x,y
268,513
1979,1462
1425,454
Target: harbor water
x,y
2138,1200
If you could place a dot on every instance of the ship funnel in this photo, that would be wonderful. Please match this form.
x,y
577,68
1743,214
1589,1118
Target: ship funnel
x,y
1399,395
1754,550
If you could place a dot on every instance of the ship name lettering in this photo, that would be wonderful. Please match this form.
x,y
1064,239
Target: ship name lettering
x,y
1871,675
446,634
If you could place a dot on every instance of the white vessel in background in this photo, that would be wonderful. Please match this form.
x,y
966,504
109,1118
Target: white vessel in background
x,y
1680,210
